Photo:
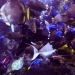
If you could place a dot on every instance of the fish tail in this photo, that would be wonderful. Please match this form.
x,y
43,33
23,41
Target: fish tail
x,y
28,14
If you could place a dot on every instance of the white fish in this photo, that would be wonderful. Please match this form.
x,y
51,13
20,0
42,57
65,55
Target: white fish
x,y
45,52
17,64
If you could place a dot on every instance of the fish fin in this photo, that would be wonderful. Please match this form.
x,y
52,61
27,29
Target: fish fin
x,y
64,47
47,50
28,13
36,53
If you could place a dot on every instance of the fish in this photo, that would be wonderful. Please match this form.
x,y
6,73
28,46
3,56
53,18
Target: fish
x,y
34,14
32,25
36,5
45,51
14,35
34,63
64,47
67,17
15,12
31,13
17,64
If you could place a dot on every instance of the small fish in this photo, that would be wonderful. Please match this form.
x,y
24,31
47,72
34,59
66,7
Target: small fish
x,y
45,51
32,25
14,35
17,64
67,17
64,47
34,63
15,12
33,13
36,5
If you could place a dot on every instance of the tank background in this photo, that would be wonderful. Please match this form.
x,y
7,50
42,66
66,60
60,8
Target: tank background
x,y
4,29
